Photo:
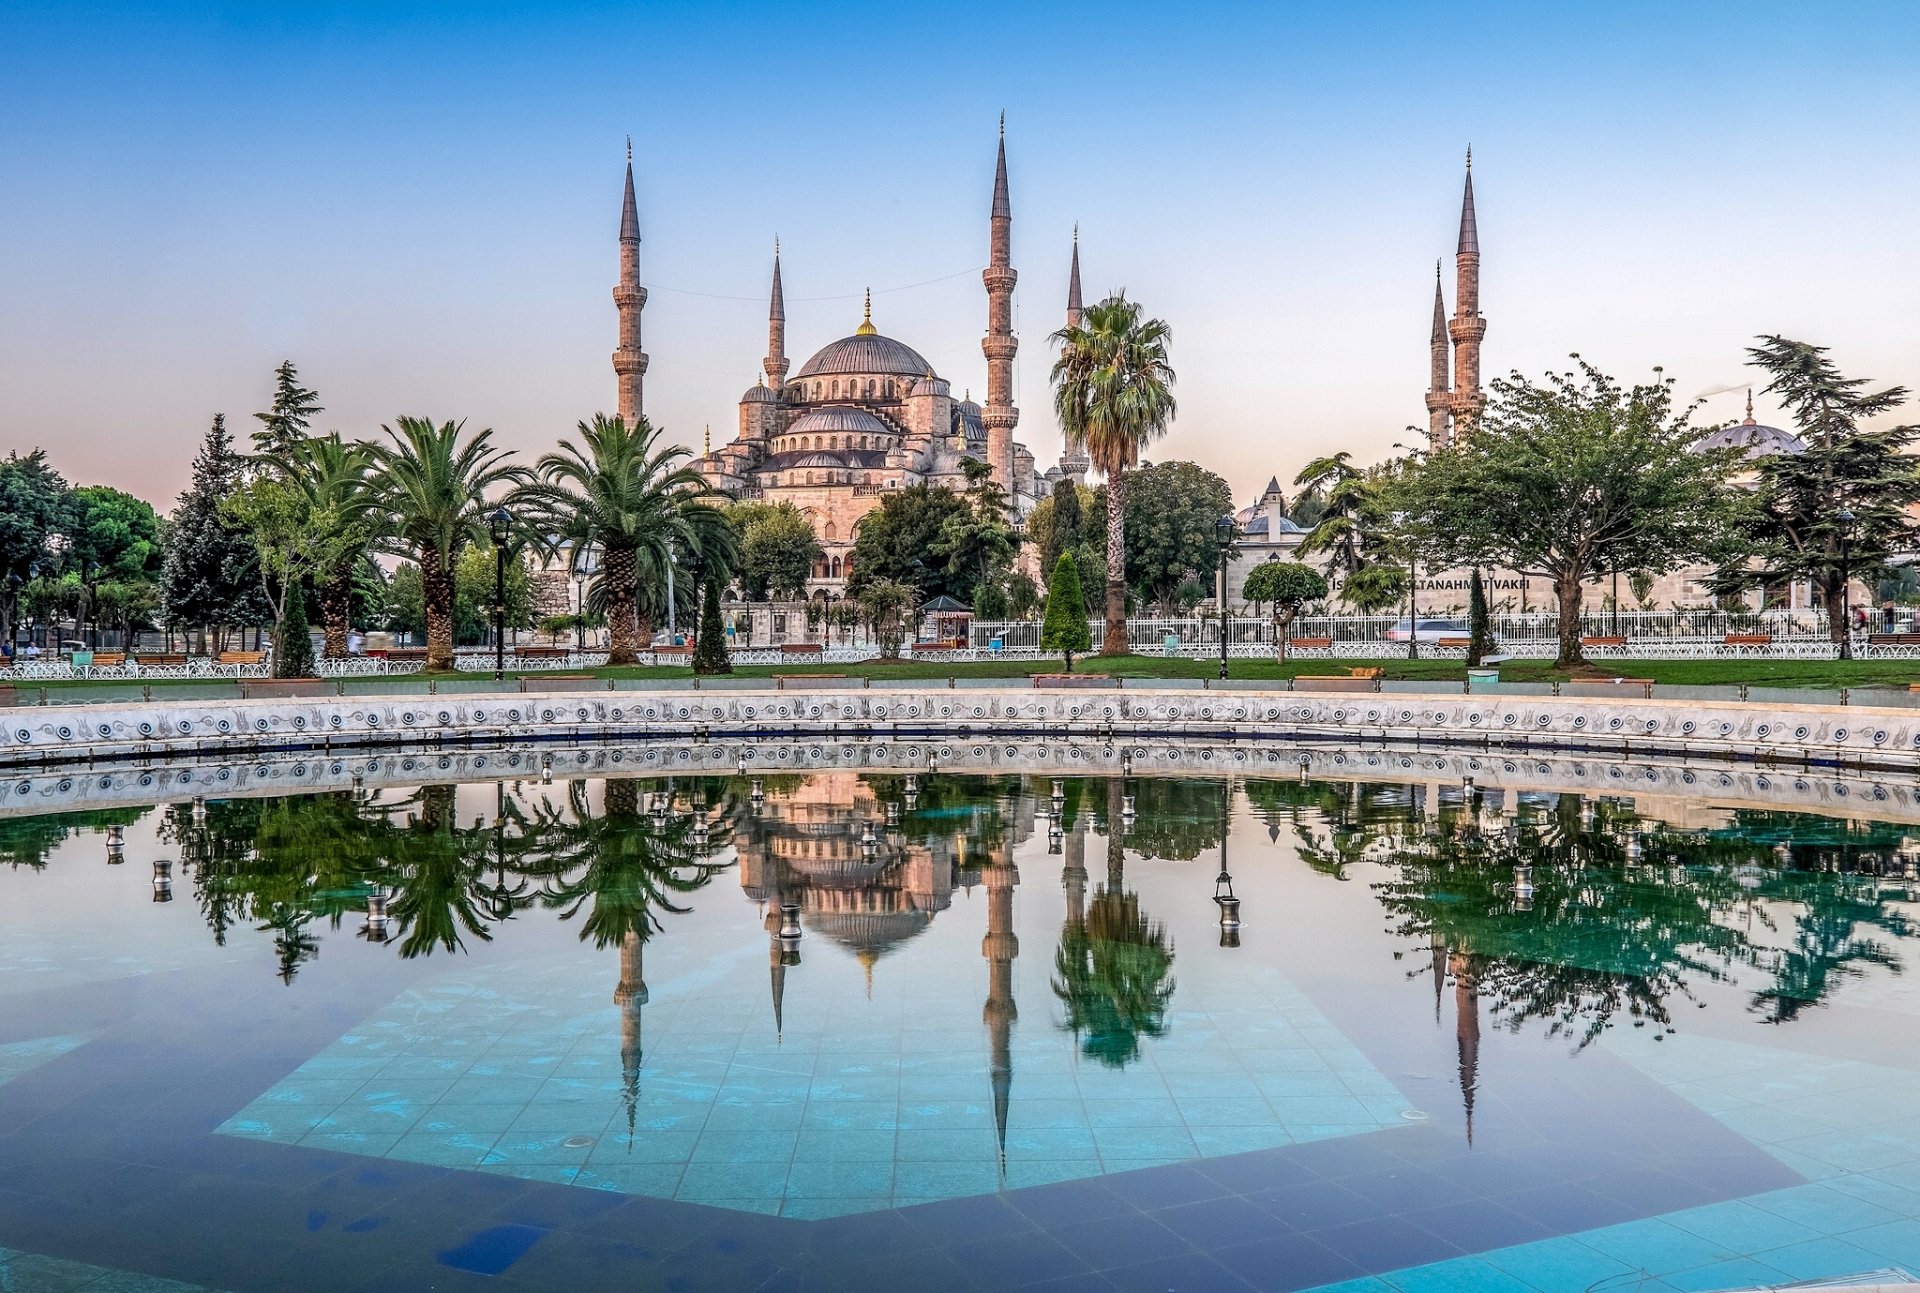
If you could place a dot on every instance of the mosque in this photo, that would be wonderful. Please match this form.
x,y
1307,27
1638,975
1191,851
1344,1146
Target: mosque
x,y
866,414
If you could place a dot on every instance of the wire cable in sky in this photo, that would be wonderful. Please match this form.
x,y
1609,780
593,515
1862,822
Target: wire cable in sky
x,y
802,300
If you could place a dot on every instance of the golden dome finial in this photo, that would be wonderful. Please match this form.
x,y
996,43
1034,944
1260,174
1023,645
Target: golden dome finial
x,y
866,328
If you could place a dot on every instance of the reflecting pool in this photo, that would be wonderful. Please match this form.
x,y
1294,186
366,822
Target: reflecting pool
x,y
837,1028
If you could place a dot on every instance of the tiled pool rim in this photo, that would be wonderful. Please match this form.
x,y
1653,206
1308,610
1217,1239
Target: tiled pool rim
x,y
1850,736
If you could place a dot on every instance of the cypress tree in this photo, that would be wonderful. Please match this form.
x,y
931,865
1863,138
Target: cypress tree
x,y
285,424
710,652
293,649
1065,628
1479,623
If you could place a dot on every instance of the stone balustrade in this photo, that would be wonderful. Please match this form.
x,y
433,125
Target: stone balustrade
x,y
1627,725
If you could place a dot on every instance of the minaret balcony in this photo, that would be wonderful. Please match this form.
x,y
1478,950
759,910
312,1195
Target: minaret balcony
x,y
999,278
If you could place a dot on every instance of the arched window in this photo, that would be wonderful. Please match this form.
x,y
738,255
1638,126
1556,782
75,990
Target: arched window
x,y
833,442
870,388
831,534
809,478
889,388
836,567
836,386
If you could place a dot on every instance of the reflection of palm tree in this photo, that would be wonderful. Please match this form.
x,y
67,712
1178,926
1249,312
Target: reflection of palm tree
x,y
1112,972
624,870
436,872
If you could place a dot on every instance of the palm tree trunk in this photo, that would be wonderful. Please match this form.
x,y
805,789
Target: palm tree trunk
x,y
621,591
1115,641
436,589
1116,840
336,614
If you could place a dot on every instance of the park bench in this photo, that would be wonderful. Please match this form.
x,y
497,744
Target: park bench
x,y
159,660
109,659
403,653
542,652
1309,644
674,652
240,657
1603,641
1893,639
1461,643
1749,639
794,650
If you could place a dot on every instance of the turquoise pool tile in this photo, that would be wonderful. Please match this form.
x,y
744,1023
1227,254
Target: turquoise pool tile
x,y
348,1142
1135,1113
1656,1246
1739,1227
1048,1113
1215,1142
712,1182
577,1117
1742,1272
1167,1144
1022,1173
1562,1265
956,1116
943,1180
445,1149
1823,1209
769,1146
1465,1275
491,1120
541,1149
782,1115
844,1145
658,1179
1822,1259
645,1146
479,1088
848,1115
922,1145
1896,1241
1052,1142
833,1180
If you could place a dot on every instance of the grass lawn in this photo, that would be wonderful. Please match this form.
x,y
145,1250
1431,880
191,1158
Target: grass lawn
x,y
1827,674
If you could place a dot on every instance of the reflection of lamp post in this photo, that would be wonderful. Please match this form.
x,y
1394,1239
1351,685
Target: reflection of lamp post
x,y
1845,517
1223,533
1223,894
501,523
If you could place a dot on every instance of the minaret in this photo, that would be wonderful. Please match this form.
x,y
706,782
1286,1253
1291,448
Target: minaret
x,y
629,361
1073,875
776,361
1073,283
1000,947
1467,327
630,995
1000,416
1439,398
1466,1032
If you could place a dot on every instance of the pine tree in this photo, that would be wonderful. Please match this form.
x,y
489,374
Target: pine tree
x,y
293,649
285,424
710,652
1065,628
212,572
1479,623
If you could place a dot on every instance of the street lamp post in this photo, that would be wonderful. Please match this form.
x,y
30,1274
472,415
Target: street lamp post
x,y
501,524
1223,531
13,614
673,632
1845,517
1223,895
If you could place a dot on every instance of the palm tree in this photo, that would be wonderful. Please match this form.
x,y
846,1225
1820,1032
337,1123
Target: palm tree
x,y
333,476
431,485
1112,392
638,501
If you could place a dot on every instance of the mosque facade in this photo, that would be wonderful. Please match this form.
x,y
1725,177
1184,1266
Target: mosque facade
x,y
865,415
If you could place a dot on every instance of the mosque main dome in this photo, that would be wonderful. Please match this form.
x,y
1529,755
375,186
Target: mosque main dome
x,y
865,353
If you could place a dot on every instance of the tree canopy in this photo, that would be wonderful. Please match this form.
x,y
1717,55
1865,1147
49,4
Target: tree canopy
x,y
1171,509
778,549
895,543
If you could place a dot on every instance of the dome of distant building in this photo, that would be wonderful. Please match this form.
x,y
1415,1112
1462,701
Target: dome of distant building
x,y
1257,524
838,420
864,354
870,933
760,394
1751,438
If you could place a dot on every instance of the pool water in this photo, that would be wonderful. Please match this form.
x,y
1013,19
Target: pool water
x,y
842,1029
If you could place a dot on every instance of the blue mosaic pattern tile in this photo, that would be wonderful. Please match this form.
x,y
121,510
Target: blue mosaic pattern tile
x,y
858,1105
17,1058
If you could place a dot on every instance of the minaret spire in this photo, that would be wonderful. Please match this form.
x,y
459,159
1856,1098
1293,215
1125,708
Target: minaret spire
x,y
1467,327
866,328
629,361
1439,399
1000,416
776,361
1073,283
1749,421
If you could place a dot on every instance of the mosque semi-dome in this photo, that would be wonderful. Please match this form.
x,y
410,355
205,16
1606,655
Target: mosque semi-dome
x,y
759,395
866,353
838,419
1751,438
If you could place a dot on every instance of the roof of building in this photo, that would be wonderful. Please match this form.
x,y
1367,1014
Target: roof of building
x,y
875,933
823,458
1257,524
1757,441
759,393
838,417
871,353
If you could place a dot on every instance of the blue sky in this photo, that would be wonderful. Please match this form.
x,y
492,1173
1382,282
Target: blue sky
x,y
418,203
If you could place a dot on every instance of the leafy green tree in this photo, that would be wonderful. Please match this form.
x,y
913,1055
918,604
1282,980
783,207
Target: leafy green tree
x,y
1794,523
1289,585
990,602
894,542
431,484
778,549
1065,628
34,505
113,538
1023,595
285,424
1570,478
710,646
1113,394
1354,529
293,647
1171,510
888,604
1479,623
978,542
625,490
210,578
1058,523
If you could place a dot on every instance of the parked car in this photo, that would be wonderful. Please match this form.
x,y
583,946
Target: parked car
x,y
1429,630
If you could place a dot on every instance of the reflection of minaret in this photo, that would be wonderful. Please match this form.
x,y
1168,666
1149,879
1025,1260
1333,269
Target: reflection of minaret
x,y
1466,1032
1439,976
630,996
1073,876
1000,947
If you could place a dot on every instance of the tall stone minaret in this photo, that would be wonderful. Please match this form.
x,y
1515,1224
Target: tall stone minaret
x,y
629,361
1000,947
1000,416
1467,327
1073,283
1439,398
776,361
